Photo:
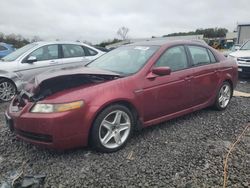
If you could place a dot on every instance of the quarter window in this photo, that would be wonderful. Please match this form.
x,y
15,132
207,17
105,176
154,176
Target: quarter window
x,y
90,51
212,58
199,55
175,58
46,53
71,50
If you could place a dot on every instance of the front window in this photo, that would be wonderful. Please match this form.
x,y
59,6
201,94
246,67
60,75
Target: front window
x,y
14,55
46,53
125,60
246,46
175,58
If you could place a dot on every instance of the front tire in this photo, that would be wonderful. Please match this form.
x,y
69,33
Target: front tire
x,y
7,90
224,96
112,128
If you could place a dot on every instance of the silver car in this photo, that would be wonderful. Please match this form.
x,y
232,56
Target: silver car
x,y
19,67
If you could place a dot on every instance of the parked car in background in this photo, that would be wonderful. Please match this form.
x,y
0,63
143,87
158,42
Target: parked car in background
x,y
131,87
5,49
242,56
102,48
20,66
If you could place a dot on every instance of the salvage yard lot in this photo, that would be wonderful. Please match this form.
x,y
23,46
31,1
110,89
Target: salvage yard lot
x,y
184,152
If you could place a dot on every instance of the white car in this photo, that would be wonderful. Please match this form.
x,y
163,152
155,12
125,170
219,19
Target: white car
x,y
19,67
242,56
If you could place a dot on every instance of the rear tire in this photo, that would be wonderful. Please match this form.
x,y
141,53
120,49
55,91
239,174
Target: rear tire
x,y
112,128
7,90
224,96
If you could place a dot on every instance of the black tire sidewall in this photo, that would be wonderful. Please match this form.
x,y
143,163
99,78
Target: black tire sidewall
x,y
95,141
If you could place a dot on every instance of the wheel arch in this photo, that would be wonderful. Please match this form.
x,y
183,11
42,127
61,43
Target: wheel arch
x,y
123,102
6,78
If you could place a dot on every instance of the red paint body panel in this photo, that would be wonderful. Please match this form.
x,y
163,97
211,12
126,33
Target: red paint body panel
x,y
155,100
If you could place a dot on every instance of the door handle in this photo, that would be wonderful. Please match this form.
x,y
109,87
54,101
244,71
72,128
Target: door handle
x,y
53,62
216,70
188,78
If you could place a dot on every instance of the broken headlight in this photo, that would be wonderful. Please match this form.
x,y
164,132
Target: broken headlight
x,y
50,108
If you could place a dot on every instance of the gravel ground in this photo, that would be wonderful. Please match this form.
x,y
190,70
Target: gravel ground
x,y
244,85
185,152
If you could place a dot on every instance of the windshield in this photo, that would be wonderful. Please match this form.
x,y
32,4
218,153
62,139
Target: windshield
x,y
14,55
125,60
246,46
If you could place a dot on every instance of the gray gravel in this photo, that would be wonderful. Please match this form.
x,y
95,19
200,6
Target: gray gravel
x,y
185,152
244,85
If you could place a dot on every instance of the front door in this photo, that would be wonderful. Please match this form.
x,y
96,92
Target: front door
x,y
47,58
165,95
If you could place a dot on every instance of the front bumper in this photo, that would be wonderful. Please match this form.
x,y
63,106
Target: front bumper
x,y
244,70
64,130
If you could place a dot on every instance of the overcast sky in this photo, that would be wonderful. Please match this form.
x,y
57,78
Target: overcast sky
x,y
98,20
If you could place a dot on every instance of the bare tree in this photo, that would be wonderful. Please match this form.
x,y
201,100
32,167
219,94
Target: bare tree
x,y
123,32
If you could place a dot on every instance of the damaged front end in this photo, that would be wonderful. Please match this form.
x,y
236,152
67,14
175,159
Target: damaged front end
x,y
44,86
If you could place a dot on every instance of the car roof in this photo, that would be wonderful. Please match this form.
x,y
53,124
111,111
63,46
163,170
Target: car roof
x,y
58,42
168,42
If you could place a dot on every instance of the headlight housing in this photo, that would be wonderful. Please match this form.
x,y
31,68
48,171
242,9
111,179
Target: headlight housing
x,y
52,108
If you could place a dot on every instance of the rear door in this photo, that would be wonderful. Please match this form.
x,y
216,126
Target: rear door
x,y
168,94
47,58
206,75
73,55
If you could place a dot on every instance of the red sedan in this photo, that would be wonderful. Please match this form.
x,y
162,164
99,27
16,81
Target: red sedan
x,y
131,87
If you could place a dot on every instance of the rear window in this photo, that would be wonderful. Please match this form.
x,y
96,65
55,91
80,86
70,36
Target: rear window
x,y
199,55
72,50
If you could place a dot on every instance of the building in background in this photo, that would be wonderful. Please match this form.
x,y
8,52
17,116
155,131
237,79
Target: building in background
x,y
243,32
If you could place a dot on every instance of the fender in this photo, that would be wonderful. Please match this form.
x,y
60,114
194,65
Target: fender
x,y
13,77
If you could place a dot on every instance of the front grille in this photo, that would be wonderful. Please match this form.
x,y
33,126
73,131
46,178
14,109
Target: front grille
x,y
245,69
34,136
246,59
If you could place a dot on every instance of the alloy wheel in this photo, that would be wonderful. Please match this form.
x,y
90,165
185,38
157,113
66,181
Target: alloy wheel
x,y
114,129
224,95
7,91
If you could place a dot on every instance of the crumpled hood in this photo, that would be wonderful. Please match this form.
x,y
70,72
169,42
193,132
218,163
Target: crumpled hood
x,y
70,71
53,81
241,53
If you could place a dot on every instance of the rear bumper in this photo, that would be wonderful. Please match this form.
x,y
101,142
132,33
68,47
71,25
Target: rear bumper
x,y
60,131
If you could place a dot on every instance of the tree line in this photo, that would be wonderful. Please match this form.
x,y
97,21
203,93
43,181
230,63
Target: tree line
x,y
208,33
17,40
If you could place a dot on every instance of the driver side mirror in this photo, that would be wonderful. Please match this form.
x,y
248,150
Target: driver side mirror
x,y
31,59
159,71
